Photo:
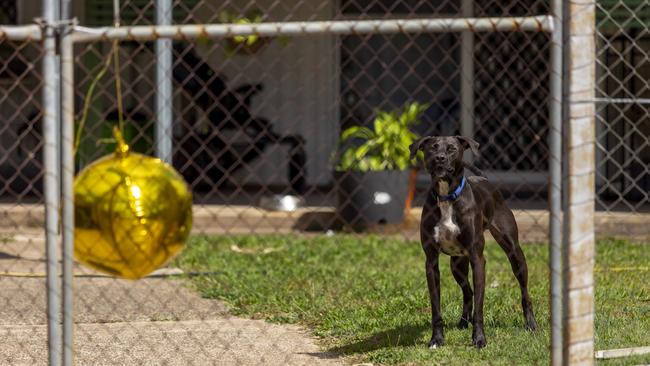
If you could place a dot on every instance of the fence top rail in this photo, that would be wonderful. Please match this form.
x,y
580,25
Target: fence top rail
x,y
30,32
541,23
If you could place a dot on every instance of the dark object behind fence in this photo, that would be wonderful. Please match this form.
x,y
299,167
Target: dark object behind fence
x,y
208,155
369,198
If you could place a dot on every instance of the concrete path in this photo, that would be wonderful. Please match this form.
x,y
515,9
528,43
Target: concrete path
x,y
152,321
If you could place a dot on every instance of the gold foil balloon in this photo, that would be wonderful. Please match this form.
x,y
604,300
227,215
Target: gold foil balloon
x,y
133,213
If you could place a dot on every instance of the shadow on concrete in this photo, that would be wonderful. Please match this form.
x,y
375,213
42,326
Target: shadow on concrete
x,y
5,255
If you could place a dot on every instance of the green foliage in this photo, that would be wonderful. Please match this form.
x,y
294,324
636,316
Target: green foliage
x,y
251,42
366,297
253,16
386,146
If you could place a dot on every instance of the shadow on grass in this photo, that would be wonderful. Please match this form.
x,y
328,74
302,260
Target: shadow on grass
x,y
401,336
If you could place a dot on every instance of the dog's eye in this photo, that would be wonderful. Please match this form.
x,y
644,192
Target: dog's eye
x,y
451,149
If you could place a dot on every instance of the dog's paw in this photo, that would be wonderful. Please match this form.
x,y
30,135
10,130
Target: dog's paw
x,y
479,341
462,324
436,341
531,323
531,326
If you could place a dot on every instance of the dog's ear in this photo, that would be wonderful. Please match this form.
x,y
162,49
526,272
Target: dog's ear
x,y
417,145
468,142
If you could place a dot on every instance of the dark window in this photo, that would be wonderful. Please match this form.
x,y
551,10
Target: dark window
x,y
8,13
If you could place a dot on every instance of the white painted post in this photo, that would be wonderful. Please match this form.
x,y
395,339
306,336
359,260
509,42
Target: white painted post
x,y
579,241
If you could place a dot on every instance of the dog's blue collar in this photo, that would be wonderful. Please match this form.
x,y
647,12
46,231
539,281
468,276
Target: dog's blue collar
x,y
454,195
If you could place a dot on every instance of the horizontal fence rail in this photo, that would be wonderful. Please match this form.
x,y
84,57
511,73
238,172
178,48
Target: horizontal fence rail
x,y
541,23
31,32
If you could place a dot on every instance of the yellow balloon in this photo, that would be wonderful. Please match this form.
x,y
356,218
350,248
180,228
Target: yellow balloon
x,y
133,213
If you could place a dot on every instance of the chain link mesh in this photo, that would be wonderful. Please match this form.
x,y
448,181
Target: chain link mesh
x,y
241,130
623,130
21,195
255,125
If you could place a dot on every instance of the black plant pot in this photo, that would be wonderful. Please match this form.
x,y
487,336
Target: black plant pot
x,y
370,198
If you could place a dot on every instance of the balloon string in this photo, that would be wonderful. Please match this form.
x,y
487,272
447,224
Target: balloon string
x,y
88,98
122,147
116,64
118,86
115,57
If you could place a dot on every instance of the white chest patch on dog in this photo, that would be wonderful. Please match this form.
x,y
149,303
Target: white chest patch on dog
x,y
446,231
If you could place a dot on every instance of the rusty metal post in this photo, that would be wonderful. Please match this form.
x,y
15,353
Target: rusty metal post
x,y
578,239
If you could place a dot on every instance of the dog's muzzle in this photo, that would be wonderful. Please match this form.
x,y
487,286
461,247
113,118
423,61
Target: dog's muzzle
x,y
438,169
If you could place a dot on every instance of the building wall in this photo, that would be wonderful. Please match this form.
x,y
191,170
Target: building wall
x,y
300,90
299,80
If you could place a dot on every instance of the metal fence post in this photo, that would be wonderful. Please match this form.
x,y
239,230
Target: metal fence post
x,y
467,74
66,9
67,163
67,181
578,240
51,123
555,184
164,105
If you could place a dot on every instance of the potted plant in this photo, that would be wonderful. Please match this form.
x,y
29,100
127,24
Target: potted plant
x,y
372,176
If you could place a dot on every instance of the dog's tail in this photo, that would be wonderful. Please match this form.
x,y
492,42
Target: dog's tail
x,y
474,169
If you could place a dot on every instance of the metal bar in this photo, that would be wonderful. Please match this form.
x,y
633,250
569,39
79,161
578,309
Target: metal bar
x,y
164,101
616,100
116,13
67,181
65,12
67,213
555,184
21,32
66,9
542,23
467,74
579,206
51,123
622,352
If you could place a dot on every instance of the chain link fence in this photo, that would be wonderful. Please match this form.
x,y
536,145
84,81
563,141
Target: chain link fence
x,y
21,189
623,179
240,113
622,137
256,133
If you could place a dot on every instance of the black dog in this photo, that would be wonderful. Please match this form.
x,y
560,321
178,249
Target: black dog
x,y
456,213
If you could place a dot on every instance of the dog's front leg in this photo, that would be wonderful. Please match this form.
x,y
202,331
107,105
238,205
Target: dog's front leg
x,y
433,282
477,261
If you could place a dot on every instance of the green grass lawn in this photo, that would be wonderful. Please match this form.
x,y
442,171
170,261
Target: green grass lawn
x,y
365,296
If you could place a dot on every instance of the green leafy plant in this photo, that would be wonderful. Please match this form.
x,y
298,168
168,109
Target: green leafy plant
x,y
386,146
246,44
253,16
